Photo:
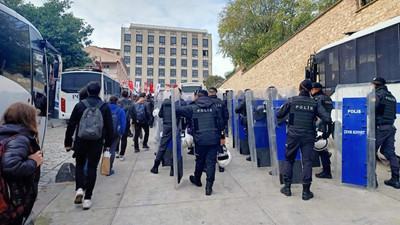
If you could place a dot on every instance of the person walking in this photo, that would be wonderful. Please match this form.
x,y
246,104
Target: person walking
x,y
119,125
86,147
142,122
129,109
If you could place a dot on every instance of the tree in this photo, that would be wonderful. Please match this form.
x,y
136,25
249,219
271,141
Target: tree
x,y
65,32
213,81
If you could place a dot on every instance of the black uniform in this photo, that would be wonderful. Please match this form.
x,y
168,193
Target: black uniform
x,y
327,103
302,111
241,109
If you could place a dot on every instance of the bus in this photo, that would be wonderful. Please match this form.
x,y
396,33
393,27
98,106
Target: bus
x,y
73,80
358,58
189,88
25,66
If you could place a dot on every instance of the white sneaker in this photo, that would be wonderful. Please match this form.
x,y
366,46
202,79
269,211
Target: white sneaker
x,y
121,158
78,196
87,203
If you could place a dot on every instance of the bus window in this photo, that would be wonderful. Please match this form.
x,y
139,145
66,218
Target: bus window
x,y
189,89
347,54
332,67
73,82
39,84
387,53
366,64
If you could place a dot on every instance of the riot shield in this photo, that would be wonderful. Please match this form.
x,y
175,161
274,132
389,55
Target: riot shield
x,y
257,128
231,122
277,135
160,98
176,137
242,126
354,158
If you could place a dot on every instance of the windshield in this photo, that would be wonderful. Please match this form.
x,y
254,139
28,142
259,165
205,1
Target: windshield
x,y
187,89
73,82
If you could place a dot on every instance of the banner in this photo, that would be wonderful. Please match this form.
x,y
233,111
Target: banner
x,y
145,87
137,88
131,85
151,88
158,88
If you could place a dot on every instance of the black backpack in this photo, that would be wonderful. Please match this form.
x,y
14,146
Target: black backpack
x,y
91,124
141,112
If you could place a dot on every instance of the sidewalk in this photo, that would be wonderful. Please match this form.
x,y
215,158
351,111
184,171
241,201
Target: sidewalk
x,y
241,195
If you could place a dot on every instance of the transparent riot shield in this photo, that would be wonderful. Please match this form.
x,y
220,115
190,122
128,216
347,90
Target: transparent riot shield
x,y
231,122
159,100
176,137
237,119
257,128
277,135
242,126
354,158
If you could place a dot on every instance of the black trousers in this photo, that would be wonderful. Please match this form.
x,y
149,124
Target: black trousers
x,y
293,144
166,138
326,161
385,140
138,128
206,156
90,150
124,140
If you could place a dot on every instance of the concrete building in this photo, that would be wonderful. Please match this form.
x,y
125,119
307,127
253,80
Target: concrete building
x,y
112,64
166,55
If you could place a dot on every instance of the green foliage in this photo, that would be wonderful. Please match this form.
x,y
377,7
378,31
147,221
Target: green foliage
x,y
213,81
229,74
65,32
250,28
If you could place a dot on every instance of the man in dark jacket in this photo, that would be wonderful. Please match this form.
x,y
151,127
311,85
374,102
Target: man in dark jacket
x,y
142,121
208,132
88,149
385,115
129,109
302,111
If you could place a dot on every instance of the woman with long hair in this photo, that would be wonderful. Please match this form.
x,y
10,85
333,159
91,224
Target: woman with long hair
x,y
21,158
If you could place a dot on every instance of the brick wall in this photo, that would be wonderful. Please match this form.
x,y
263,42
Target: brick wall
x,y
284,67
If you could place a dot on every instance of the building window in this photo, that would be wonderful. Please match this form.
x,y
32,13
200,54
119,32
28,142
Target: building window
x,y
127,60
139,38
161,72
138,61
173,62
183,73
150,50
205,73
184,41
162,51
138,71
151,39
162,40
127,48
205,43
138,49
173,40
205,53
173,73
184,62
195,63
149,72
150,61
184,52
139,80
173,52
205,63
127,37
184,81
161,61
161,82
150,80
194,53
195,42
195,81
195,73
128,69
172,82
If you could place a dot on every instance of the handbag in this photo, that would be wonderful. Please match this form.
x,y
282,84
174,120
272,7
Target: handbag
x,y
105,163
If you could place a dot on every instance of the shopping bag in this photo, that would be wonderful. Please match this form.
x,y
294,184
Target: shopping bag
x,y
105,163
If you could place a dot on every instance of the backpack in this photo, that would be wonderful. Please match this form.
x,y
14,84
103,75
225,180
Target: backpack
x,y
91,123
11,203
115,122
141,112
125,104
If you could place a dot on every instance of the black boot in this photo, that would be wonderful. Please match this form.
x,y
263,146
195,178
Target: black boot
x,y
394,181
171,171
307,194
195,180
286,189
209,187
221,169
325,174
155,167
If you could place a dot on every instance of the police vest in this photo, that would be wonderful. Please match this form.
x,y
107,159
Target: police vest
x,y
167,111
326,101
205,124
219,104
302,113
386,111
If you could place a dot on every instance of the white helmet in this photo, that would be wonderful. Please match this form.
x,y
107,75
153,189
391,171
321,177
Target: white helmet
x,y
320,144
155,112
187,141
224,158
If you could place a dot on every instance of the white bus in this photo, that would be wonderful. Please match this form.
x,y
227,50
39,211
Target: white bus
x,y
369,53
24,66
189,88
73,80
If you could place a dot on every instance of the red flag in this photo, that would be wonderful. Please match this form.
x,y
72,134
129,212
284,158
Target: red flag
x,y
131,85
151,88
145,87
100,64
167,85
175,86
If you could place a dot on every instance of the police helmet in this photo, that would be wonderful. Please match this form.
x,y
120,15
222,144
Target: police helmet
x,y
320,144
155,112
224,158
187,141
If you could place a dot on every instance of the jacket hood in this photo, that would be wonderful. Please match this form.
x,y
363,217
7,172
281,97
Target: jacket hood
x,y
113,107
212,96
142,100
204,102
7,130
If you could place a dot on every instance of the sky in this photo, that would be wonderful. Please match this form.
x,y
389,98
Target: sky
x,y
108,16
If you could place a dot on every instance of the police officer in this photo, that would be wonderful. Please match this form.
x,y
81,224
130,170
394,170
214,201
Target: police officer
x,y
166,114
208,132
241,109
302,111
326,130
385,114
221,106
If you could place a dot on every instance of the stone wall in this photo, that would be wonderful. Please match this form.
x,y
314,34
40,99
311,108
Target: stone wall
x,y
285,66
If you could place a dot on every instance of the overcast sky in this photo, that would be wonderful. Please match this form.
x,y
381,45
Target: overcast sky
x,y
107,17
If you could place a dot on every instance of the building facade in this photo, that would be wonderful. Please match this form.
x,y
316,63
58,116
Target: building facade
x,y
166,55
